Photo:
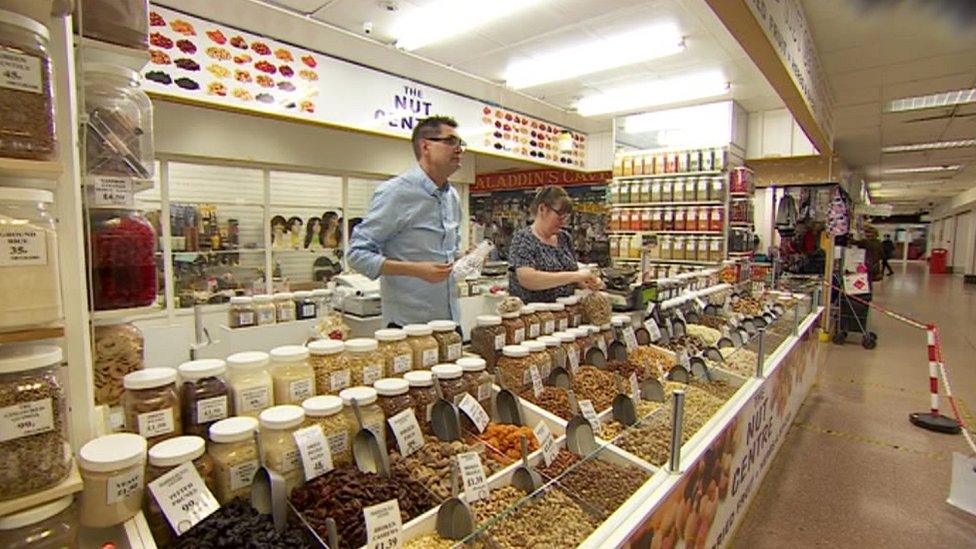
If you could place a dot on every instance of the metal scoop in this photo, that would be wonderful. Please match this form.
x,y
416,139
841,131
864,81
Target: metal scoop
x,y
595,357
444,419
580,438
454,518
651,389
526,478
370,457
617,351
679,373
624,410
269,494
508,407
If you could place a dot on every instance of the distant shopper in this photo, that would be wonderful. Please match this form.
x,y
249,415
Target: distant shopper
x,y
411,236
873,253
888,251
542,264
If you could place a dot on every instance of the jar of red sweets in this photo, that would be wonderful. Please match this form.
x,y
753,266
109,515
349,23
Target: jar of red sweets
x,y
123,259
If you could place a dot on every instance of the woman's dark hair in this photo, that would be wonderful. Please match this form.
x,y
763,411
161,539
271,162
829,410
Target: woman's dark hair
x,y
279,220
309,233
555,197
327,218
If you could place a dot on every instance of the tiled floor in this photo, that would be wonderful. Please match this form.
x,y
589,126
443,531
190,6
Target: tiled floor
x,y
853,472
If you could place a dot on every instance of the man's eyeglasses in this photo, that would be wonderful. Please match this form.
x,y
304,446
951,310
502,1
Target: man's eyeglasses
x,y
451,141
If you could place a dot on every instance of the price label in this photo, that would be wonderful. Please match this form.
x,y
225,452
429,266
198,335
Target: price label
x,y
372,372
549,326
630,338
21,245
183,497
402,363
314,450
546,442
669,326
122,486
340,380
407,432
574,359
536,381
650,308
680,315
301,389
21,72
499,342
112,191
470,406
429,357
26,419
453,352
519,335
589,413
652,329
733,321
634,387
384,528
473,476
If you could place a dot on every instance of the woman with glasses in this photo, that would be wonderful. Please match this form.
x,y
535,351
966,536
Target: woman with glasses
x,y
542,264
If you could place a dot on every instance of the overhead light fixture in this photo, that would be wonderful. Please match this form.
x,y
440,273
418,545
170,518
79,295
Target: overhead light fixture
x,y
934,145
700,126
654,94
442,19
651,42
934,100
923,169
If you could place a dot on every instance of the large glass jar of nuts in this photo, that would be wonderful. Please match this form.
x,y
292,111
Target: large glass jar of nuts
x,y
251,388
27,125
513,365
533,324
514,328
547,319
291,374
163,458
393,398
152,404
241,313
540,359
567,340
424,395
397,353
557,355
573,310
204,394
365,361
278,424
477,380
450,377
284,307
369,410
425,347
448,340
330,366
562,316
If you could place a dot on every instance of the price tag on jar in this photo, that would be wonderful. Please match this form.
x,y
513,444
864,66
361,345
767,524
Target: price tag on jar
x,y
634,387
22,246
402,363
574,359
589,413
371,373
630,338
314,451
384,529
407,432
470,406
546,442
453,351
499,342
536,381
111,191
473,476
680,314
652,329
183,497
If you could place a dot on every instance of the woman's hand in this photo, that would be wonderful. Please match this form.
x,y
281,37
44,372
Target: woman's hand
x,y
587,279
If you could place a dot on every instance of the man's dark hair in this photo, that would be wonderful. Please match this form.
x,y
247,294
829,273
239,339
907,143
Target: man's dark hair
x,y
429,127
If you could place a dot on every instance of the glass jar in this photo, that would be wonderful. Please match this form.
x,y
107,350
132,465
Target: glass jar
x,y
321,299
425,347
397,353
284,303
567,341
118,350
423,395
291,375
34,450
546,317
251,388
488,338
561,315
113,470
47,526
265,310
30,287
514,328
305,307
204,395
448,340
539,358
241,313
152,404
119,112
326,412
451,379
477,380
123,260
514,366
369,409
330,366
583,340
393,398
573,309
235,457
533,324
365,361
27,124
557,356
717,189
278,423
163,458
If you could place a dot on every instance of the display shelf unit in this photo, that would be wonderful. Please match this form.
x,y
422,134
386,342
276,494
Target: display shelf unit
x,y
667,175
96,51
122,315
674,261
70,485
691,233
30,169
666,204
32,334
747,224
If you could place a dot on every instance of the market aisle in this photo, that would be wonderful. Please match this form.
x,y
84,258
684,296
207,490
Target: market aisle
x,y
853,471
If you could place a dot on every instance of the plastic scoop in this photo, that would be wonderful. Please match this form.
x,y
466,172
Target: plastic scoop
x,y
454,517
526,478
651,389
617,351
624,410
370,457
579,432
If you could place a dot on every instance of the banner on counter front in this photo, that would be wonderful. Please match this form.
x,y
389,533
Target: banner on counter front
x,y
530,179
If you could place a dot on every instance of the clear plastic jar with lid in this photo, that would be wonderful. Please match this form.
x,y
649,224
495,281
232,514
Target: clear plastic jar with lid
x,y
557,355
546,317
27,124
606,335
204,395
121,113
488,338
567,340
34,449
241,313
152,404
113,469
423,394
284,303
49,525
163,458
279,447
235,457
514,328
514,366
305,307
372,414
397,353
264,310
366,364
584,342
393,398
451,379
573,310
538,357
330,366
533,324
620,323
448,340
251,387
321,299
123,259
562,316
291,374
477,379
425,347
326,412
30,288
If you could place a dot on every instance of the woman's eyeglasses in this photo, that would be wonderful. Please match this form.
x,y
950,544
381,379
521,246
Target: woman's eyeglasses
x,y
451,141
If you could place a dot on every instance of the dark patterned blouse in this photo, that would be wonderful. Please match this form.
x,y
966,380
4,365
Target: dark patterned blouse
x,y
526,250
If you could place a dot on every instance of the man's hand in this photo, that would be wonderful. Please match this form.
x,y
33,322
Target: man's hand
x,y
430,271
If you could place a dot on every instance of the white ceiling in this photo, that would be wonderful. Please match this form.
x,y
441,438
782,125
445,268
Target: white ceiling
x,y
891,51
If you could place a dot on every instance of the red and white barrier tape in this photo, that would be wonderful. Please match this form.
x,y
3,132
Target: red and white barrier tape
x,y
952,400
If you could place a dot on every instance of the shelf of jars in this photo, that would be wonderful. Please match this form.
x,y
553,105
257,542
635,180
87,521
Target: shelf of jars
x,y
702,233
674,261
671,203
31,334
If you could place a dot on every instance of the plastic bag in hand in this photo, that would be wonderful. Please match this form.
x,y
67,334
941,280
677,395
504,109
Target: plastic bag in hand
x,y
470,265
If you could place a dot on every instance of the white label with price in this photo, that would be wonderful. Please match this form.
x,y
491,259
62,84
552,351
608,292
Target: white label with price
x,y
25,419
574,359
314,450
630,339
652,329
453,352
183,497
211,409
21,72
470,406
546,442
384,529
536,381
589,413
22,246
112,191
634,387
124,485
402,363
405,428
429,357
473,476
499,341
160,422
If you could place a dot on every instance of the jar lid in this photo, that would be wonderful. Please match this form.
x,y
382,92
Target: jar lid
x,y
284,416
289,353
419,378
362,345
17,358
418,330
284,295
590,329
263,298
233,429
249,360
303,294
16,194
112,452
605,327
391,386
565,337
515,351
570,300
390,334
199,369
442,325
488,320
321,293
23,22
149,378
35,514
446,371
114,70
579,332
472,363
620,320
326,347
174,451
534,346
557,307
511,315
241,299
322,406
363,395
550,341
528,309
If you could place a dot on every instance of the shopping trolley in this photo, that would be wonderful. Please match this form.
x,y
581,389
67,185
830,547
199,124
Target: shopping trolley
x,y
850,314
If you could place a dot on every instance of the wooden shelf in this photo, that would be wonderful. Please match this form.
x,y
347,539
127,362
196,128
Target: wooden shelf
x,y
666,204
666,175
690,233
30,169
71,484
32,334
122,315
96,51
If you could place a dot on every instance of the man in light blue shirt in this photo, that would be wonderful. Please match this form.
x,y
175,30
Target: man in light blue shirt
x,y
411,235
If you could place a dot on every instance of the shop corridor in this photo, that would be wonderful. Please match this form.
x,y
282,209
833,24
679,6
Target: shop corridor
x,y
853,472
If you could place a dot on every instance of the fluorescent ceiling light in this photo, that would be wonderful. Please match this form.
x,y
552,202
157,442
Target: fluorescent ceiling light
x,y
923,169
934,145
931,101
655,93
443,19
618,51
693,127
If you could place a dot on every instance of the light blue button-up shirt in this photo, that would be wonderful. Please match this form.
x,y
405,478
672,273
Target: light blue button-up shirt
x,y
410,219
